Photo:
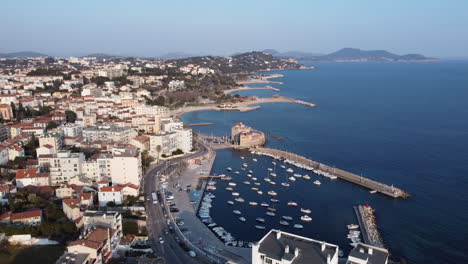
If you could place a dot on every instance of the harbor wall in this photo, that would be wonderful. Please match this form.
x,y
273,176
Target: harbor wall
x,y
348,176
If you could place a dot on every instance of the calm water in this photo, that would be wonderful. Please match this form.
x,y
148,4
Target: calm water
x,y
401,123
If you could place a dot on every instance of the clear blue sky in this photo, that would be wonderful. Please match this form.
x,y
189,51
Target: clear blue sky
x,y
432,27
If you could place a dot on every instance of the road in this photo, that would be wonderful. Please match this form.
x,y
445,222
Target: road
x,y
156,222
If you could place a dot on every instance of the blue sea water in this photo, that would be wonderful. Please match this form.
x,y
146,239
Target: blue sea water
x,y
400,123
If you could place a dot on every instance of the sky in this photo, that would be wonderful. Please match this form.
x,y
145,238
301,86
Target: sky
x,y
150,28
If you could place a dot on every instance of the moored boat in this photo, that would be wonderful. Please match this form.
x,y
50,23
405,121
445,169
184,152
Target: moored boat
x,y
298,226
284,223
286,217
317,182
259,227
229,169
259,219
274,200
264,204
229,189
294,204
271,209
352,226
253,203
272,193
285,184
306,218
260,192
307,177
292,178
242,219
237,212
270,213
239,200
230,202
290,170
305,211
235,194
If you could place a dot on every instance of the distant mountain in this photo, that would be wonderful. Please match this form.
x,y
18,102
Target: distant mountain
x,y
22,54
100,55
351,54
291,54
176,55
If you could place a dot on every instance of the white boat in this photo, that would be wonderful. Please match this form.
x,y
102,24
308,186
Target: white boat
x,y
230,202
305,211
307,177
317,182
242,157
257,183
249,175
273,174
272,193
271,209
253,203
259,227
247,183
352,226
274,163
274,200
245,165
264,204
210,188
229,169
373,191
283,167
297,175
254,160
272,182
292,204
298,226
306,218
289,218
242,218
259,219
251,172
260,192
270,213
239,200
212,225
237,212
290,170
233,184
254,179
285,184
270,169
284,223
267,179
229,189
254,189
292,178
236,172
235,194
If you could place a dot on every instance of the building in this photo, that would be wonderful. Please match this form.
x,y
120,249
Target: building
x,y
52,139
163,143
109,134
366,254
184,139
110,194
6,113
141,142
62,166
106,219
278,247
32,217
34,176
4,132
125,166
71,130
151,110
74,258
245,136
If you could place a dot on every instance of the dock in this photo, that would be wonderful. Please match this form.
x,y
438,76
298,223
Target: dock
x,y
344,175
368,226
200,124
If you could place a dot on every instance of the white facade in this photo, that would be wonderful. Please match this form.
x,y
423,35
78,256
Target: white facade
x,y
184,138
71,130
151,110
125,166
63,166
110,194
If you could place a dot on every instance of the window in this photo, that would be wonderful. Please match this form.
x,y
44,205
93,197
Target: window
x,y
268,261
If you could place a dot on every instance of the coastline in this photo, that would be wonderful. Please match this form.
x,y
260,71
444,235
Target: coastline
x,y
245,88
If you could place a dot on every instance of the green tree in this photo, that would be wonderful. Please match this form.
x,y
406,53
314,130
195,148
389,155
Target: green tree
x,y
13,109
71,116
130,227
51,125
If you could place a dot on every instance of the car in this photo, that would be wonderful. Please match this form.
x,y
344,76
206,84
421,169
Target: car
x,y
177,239
147,198
192,254
166,231
161,240
174,209
164,210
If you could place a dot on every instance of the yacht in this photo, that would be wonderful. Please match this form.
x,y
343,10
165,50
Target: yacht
x,y
264,204
306,218
297,175
236,172
292,178
229,168
285,217
270,169
294,204
229,189
307,177
274,200
235,194
352,226
261,220
285,184
239,200
259,227
237,212
298,226
305,211
273,174
260,192
233,184
272,193
255,160
242,218
230,202
270,213
290,170
317,182
284,223
253,203
247,182
283,167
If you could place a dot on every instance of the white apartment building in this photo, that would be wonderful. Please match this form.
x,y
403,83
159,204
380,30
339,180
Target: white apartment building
x,y
110,194
71,130
151,110
63,166
184,139
166,140
125,166
109,133
278,247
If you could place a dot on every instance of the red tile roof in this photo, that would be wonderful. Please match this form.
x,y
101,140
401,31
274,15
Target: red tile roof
x,y
27,214
26,173
111,189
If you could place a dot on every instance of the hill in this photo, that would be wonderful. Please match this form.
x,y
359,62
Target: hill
x,y
351,54
22,54
291,54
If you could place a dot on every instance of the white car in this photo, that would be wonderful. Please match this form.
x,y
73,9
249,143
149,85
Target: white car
x,y
192,254
161,240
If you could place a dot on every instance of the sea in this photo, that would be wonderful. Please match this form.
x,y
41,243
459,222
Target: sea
x,y
401,123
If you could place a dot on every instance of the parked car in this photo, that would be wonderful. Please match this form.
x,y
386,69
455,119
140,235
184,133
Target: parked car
x,y
161,240
174,209
166,231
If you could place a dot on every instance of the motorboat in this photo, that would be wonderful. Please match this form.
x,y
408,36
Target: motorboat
x,y
259,227
237,212
274,200
257,183
294,204
274,163
210,188
254,179
290,170
242,157
233,184
264,204
260,192
297,175
352,226
272,193
317,182
306,218
284,223
270,213
305,211
271,209
272,182
242,219
283,167
249,175
373,191
254,189
307,177
229,189
245,165
267,179
253,203
239,200
270,169
230,202
251,172
235,194
259,219
292,178
285,217
229,169
247,183
255,160
273,174
298,226
236,172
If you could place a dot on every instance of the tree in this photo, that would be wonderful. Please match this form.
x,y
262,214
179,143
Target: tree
x,y
51,125
177,152
13,109
71,116
130,227
111,204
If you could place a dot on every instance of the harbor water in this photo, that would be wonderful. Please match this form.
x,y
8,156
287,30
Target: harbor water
x,y
398,123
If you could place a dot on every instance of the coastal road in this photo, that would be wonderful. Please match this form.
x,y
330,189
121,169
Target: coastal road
x,y
156,222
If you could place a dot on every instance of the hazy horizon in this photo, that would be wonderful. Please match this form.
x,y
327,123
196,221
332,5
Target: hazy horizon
x,y
154,28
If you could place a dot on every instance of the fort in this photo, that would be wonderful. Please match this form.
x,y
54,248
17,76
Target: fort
x,y
245,136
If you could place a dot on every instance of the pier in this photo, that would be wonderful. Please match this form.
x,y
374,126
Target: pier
x,y
368,226
344,175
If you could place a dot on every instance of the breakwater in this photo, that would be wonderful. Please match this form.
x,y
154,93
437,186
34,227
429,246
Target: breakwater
x,y
331,172
368,225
